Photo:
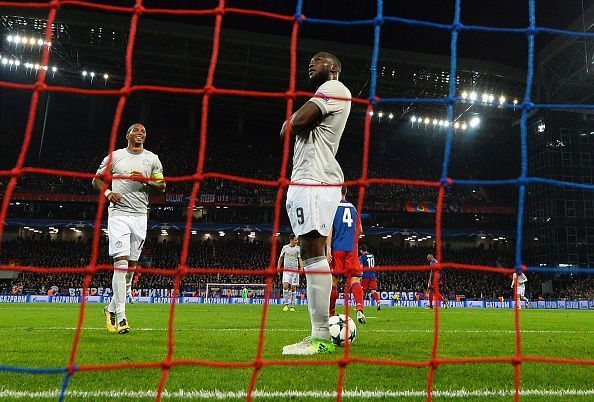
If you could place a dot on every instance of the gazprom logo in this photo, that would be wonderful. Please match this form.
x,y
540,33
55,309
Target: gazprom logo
x,y
65,299
13,299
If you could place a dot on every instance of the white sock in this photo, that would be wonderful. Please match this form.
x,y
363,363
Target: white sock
x,y
111,307
290,297
118,283
319,286
293,298
286,296
129,276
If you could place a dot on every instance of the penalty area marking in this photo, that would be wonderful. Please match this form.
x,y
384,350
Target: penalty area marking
x,y
226,395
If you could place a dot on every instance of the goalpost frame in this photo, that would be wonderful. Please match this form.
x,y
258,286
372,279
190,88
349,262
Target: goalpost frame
x,y
208,285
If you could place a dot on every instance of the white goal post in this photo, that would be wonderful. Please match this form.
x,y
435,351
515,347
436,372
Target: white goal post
x,y
235,289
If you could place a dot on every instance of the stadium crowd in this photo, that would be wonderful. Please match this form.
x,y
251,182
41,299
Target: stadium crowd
x,y
247,253
179,158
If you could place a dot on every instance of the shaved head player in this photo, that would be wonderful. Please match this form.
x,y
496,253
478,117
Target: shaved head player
x,y
128,211
317,127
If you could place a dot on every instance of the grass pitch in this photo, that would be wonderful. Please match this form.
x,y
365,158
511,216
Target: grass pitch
x,y
41,335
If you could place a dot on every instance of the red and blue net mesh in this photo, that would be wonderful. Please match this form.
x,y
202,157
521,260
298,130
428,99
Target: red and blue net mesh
x,y
290,94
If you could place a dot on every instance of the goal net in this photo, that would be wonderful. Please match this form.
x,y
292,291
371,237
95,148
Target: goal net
x,y
232,292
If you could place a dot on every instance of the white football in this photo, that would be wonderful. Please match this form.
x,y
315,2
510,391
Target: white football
x,y
338,329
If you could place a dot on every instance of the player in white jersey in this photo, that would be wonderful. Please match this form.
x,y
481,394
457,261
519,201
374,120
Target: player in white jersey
x,y
521,289
317,127
128,210
290,257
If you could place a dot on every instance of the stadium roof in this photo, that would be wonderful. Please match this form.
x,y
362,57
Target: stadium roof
x,y
177,53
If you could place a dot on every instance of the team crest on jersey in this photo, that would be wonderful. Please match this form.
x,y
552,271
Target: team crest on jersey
x,y
146,162
118,244
323,97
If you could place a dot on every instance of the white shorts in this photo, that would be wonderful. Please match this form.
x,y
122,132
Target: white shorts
x,y
292,278
126,235
312,207
521,290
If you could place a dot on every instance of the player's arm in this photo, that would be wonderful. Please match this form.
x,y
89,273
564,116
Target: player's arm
x,y
99,185
280,259
329,245
299,261
307,117
304,119
156,180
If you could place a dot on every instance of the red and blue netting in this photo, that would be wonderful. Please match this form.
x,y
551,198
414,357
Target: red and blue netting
x,y
207,92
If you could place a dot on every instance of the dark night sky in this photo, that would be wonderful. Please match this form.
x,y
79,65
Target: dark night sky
x,y
507,48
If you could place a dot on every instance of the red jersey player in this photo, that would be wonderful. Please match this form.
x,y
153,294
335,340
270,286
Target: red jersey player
x,y
341,250
433,261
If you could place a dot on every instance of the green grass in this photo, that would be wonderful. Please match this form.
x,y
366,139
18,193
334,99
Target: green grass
x,y
37,335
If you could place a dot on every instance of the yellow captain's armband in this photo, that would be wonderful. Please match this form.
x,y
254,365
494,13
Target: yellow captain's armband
x,y
157,177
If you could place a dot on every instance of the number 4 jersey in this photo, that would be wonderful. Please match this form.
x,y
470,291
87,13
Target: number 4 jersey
x,y
344,228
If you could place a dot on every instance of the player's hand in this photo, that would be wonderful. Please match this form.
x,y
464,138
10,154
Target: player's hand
x,y
283,130
329,257
136,175
114,197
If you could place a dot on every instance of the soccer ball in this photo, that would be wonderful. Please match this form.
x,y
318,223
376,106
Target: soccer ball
x,y
338,329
